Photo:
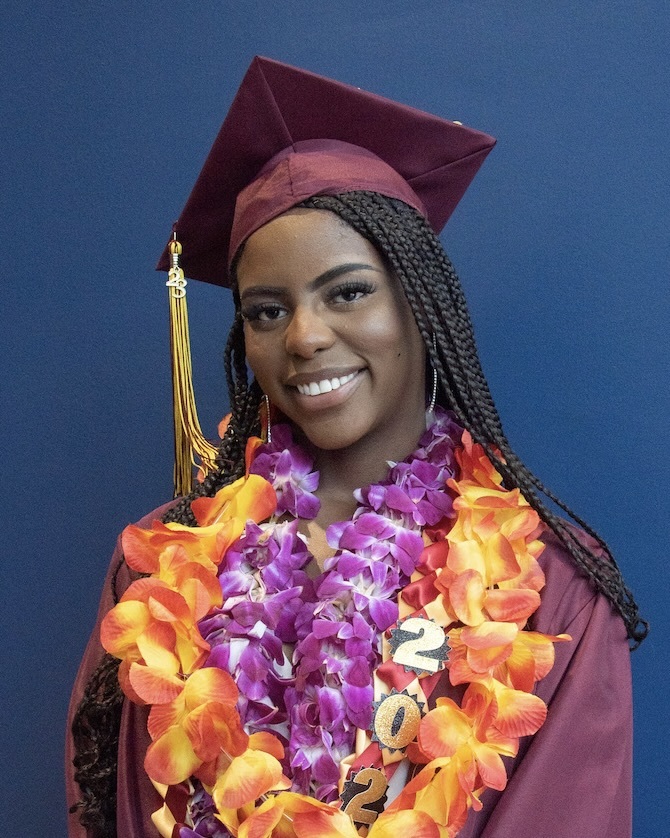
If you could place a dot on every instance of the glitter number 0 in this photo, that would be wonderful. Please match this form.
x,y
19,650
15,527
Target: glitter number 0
x,y
424,652
396,721
375,791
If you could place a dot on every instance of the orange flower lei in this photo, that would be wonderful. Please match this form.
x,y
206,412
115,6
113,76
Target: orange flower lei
x,y
479,585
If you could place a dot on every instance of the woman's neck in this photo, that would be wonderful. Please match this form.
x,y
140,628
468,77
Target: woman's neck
x,y
343,471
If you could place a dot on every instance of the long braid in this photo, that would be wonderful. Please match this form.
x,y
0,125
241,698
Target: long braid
x,y
435,295
432,288
95,732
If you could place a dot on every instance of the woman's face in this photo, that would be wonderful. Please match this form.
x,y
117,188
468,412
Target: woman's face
x,y
329,334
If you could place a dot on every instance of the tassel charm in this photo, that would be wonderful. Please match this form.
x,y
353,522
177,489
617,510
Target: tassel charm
x,y
176,279
189,441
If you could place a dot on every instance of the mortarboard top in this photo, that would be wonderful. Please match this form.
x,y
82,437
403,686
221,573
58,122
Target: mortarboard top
x,y
308,135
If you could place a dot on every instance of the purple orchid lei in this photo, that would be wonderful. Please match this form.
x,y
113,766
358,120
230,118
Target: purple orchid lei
x,y
303,651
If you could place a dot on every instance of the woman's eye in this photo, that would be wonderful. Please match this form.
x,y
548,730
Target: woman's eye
x,y
263,313
351,291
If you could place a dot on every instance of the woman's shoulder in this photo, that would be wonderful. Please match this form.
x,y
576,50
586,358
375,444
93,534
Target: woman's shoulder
x,y
569,597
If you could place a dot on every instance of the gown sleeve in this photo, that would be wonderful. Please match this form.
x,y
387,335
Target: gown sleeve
x,y
136,796
574,777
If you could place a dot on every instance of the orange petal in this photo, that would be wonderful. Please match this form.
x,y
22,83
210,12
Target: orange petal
x,y
199,587
466,595
190,648
406,798
489,635
443,730
155,645
518,670
223,425
324,823
444,798
466,555
501,561
124,681
206,510
154,686
138,551
164,716
256,500
263,822
248,777
253,443
141,589
488,645
210,684
168,606
490,766
170,759
484,661
475,464
541,647
268,742
519,713
415,823
511,605
214,727
247,498
522,525
122,626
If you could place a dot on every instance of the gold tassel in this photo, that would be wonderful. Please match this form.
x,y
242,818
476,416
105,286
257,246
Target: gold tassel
x,y
189,441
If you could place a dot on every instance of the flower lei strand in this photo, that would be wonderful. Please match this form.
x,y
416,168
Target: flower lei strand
x,y
268,689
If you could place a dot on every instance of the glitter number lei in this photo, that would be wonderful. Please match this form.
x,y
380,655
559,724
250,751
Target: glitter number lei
x,y
264,684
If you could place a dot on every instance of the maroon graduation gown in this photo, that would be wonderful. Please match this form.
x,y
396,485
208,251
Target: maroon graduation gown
x,y
573,778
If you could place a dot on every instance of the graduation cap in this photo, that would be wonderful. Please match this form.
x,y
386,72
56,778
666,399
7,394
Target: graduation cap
x,y
289,135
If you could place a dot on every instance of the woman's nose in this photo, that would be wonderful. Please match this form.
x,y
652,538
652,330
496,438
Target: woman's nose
x,y
307,333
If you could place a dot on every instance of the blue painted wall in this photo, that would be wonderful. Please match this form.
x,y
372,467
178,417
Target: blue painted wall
x,y
562,244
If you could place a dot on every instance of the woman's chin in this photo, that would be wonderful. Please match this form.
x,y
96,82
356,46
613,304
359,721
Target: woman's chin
x,y
325,438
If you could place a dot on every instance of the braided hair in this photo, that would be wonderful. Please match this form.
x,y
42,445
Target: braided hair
x,y
415,255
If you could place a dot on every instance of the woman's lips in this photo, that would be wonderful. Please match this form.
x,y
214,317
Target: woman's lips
x,y
325,385
325,389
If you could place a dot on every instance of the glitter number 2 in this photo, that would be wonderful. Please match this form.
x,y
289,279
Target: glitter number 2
x,y
374,793
427,650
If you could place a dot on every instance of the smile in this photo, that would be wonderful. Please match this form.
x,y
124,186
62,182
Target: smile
x,y
317,388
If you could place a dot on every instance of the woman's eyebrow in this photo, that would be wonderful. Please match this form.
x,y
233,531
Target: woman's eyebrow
x,y
313,285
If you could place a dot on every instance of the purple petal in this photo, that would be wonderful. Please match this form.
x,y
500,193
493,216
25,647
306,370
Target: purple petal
x,y
384,612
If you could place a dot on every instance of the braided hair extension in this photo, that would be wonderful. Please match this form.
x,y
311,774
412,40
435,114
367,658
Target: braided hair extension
x,y
95,732
433,290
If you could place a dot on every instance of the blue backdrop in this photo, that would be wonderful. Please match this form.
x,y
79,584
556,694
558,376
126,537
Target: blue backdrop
x,y
562,244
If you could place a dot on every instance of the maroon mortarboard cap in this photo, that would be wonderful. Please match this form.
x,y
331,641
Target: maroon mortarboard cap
x,y
291,134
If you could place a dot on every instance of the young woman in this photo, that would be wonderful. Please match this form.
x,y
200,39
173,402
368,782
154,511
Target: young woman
x,y
367,620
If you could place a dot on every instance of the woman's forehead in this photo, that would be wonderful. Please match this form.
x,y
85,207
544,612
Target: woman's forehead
x,y
303,239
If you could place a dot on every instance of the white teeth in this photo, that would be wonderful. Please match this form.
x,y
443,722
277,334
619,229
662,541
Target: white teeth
x,y
316,388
